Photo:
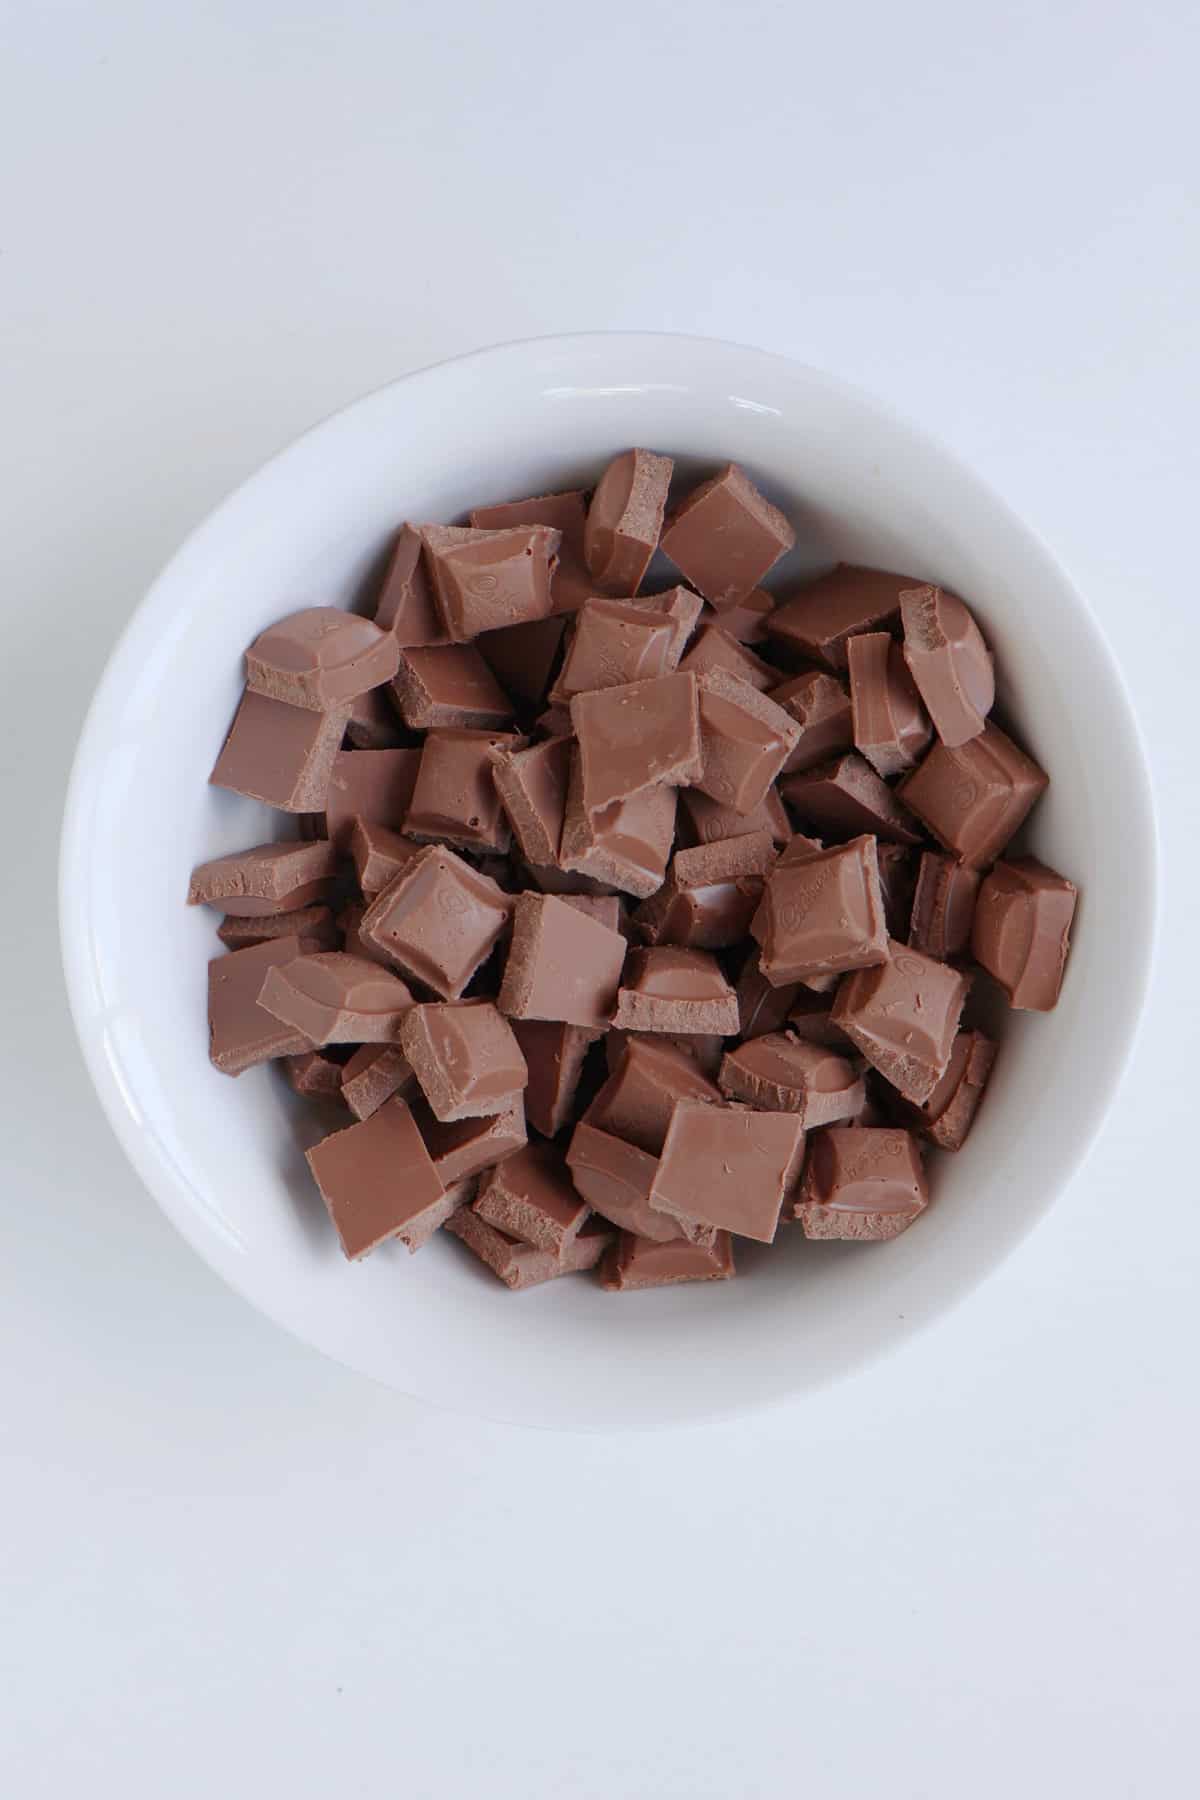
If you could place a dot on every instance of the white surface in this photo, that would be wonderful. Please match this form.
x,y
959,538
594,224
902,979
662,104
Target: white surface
x,y
231,1567
225,1159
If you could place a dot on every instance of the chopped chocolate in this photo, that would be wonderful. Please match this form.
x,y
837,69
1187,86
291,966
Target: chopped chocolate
x,y
520,1265
846,797
463,1147
949,661
625,845
727,1168
625,519
745,739
677,991
455,799
897,882
1022,929
903,1016
374,723
272,878
531,1197
645,734
711,895
349,920
313,1075
817,621
811,1017
465,1057
762,1006
680,606
822,914
335,998
746,620
565,513
709,822
554,1054
449,684
614,644
522,657
948,1114
280,754
704,1048
313,926
638,1262
561,964
438,920
532,786
487,580
637,1100
240,1031
376,785
890,724
606,908
973,798
784,1073
715,648
615,1178
378,855
861,1183
555,722
725,536
821,708
320,658
406,608
374,1073
799,848
376,1179
943,906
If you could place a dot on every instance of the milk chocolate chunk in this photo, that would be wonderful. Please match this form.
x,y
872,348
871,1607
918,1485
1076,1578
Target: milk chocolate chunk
x,y
784,1073
320,657
715,648
315,1076
705,1049
615,1178
613,645
677,991
897,883
485,580
570,583
555,722
375,785
464,1147
455,800
762,1006
903,1017
712,894
637,1100
680,606
707,821
449,684
313,926
890,725
374,1073
646,734
817,621
520,1265
746,620
554,1054
378,855
349,921
406,608
240,1031
799,848
625,519
605,908
280,754
745,740
949,1113
822,914
438,920
531,1197
974,798
625,845
465,1057
846,797
725,536
271,878
727,1168
821,708
638,1262
334,998
532,787
1021,931
950,663
810,1017
561,964
374,723
523,657
943,905
376,1179
861,1183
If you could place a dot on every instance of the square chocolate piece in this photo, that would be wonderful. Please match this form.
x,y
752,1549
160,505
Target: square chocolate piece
x,y
646,734
745,739
375,785
677,991
320,657
465,1057
783,1073
817,622
438,921
615,644
531,1197
822,914
455,799
280,754
449,684
725,536
637,1100
727,1168
486,580
406,608
638,1262
861,1183
1022,929
715,648
625,519
973,798
561,964
376,1179
903,1017
532,785
625,845
240,1031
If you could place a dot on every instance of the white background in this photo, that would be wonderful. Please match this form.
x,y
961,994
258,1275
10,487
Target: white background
x,y
232,1568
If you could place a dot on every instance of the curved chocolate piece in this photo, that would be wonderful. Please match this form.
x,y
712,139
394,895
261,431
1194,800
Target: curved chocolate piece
x,y
903,1017
727,1168
320,657
715,648
890,725
638,1262
817,621
861,1183
784,1073
637,1100
487,580
406,608
465,1057
1022,931
949,661
745,739
438,920
845,798
822,914
614,644
625,519
645,734
943,906
334,998
615,1178
973,798
726,535
821,708
677,991
626,845
271,878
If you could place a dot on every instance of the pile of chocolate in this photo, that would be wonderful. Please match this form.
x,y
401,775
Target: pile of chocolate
x,y
624,922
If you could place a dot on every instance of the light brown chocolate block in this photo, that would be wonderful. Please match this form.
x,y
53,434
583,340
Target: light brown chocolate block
x,y
715,648
532,786
637,1100
943,906
313,1075
376,1179
271,878
378,855
810,1017
638,1262
280,754
374,723
762,1006
711,894
626,845
861,1183
438,920
465,1057
822,914
566,513
745,739
615,1178
726,535
680,606
727,1168
821,708
464,1147
520,1265
704,1048
846,797
335,998
949,1113
625,519
677,991
375,785
891,726
449,684
555,722
554,1054
1022,931
455,1200
605,908
973,798
746,620
320,657
707,821
614,644
531,1197
374,1073
240,1031
487,580
406,607
903,1017
817,622
646,734
313,926
561,965
523,657
949,661
455,799
783,1073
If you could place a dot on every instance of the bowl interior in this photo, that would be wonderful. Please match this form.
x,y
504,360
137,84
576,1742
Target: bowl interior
x,y
225,1157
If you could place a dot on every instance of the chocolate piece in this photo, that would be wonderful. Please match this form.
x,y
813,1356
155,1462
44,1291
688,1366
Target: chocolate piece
x,y
349,921
639,1096
561,965
709,822
615,1178
313,1075
240,1031
455,799
486,580
313,926
280,754
320,658
374,723
973,798
554,1054
762,1006
646,734
1022,930
555,722
903,1017
846,797
406,608
784,1073
821,708
799,848
704,1048
378,855
811,1017
570,583
522,657
376,785
822,914
897,881
949,661
334,998
715,648
861,1183
465,1057
519,1265
465,1147
532,786
625,519
615,644
890,725
948,1114
531,1197
638,1262
745,740
943,906
746,620
374,1073
605,908
711,896
376,1179
728,1168
625,845
726,535
677,991
272,878
438,920
817,622
680,606
449,684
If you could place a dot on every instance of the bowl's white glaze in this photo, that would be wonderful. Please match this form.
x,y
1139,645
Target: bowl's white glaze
x,y
224,1158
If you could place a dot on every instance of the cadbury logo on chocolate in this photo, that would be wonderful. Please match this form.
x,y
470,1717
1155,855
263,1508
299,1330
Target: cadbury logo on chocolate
x,y
483,585
965,794
803,898
908,965
452,903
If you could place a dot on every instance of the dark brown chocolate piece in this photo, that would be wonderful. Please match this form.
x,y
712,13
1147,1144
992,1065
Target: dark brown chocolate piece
x,y
725,536
320,658
464,1147
712,894
531,1197
708,821
822,914
746,620
676,991
1022,929
406,608
638,1262
455,799
570,583
974,798
449,684
715,648
374,723
240,1031
522,657
861,1183
948,1114
821,708
890,725
313,926
561,965
625,845
943,906
554,1054
784,1073
646,734
378,855
845,798
762,1006
897,881
376,785
817,621
745,740
949,661
376,1179
615,1178
313,1075
335,998
465,1057
280,754
625,519
614,644
271,878
488,580
637,1100
374,1073
532,785
438,920
727,1168
903,1017
520,1265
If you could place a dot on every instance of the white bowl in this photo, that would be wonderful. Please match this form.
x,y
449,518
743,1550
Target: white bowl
x,y
223,1158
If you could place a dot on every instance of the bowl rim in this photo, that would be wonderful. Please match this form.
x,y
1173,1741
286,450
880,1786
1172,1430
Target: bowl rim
x,y
1142,832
